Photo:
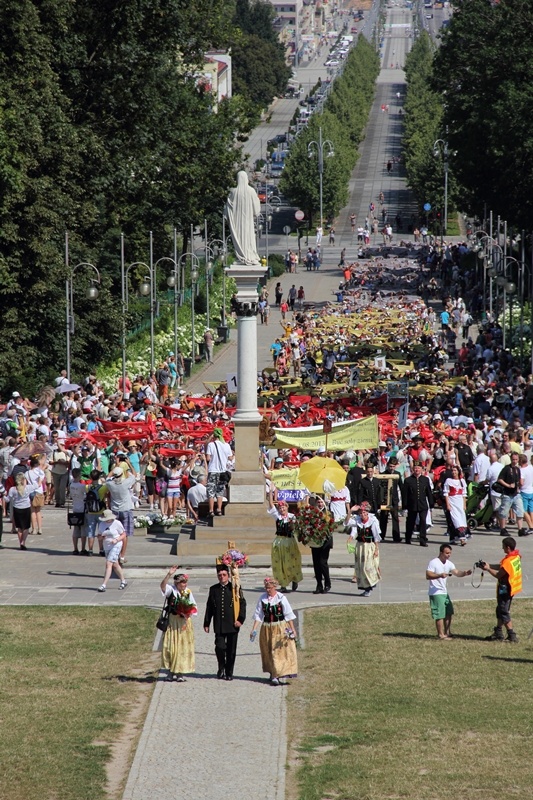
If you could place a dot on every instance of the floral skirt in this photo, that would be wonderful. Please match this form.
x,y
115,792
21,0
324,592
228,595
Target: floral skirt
x,y
286,560
178,645
278,652
367,565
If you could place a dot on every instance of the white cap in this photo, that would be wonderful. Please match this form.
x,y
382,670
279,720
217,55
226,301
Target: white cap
x,y
15,394
321,450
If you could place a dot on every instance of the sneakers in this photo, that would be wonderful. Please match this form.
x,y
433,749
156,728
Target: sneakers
x,y
524,532
274,682
123,584
102,588
496,636
180,679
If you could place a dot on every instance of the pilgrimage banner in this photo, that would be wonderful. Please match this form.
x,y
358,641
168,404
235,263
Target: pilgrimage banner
x,y
289,486
359,434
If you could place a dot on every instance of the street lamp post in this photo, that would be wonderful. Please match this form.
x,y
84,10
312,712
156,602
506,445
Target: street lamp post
x,y
440,147
195,263
220,247
172,283
92,294
320,145
145,289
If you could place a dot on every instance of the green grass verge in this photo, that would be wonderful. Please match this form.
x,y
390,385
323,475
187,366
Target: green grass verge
x,y
68,676
385,710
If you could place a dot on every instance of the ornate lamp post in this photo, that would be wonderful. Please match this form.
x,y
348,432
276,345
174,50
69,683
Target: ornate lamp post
x,y
317,148
91,294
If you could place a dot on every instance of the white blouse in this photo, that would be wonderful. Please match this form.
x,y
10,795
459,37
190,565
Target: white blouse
x,y
288,613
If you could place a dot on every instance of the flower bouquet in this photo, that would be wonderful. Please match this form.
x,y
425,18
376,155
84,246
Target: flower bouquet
x,y
184,607
313,526
233,558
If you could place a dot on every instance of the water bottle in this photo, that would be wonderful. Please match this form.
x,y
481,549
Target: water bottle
x,y
253,636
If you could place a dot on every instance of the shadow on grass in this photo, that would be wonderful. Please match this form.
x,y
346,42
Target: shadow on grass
x,y
514,660
461,636
148,677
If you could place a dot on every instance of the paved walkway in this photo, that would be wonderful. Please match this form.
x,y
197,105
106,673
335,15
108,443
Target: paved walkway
x,y
233,734
236,731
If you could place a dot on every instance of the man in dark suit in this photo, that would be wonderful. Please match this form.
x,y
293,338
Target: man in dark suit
x,y
417,499
370,490
227,620
353,479
395,495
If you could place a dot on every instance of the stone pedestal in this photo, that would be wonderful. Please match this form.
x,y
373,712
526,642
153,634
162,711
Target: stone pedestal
x,y
247,484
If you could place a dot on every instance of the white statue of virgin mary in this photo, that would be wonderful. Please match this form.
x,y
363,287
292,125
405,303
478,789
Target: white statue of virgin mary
x,y
241,207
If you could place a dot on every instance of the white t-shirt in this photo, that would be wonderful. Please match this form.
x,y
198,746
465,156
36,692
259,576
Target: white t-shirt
x,y
493,472
527,475
219,454
438,585
480,466
338,502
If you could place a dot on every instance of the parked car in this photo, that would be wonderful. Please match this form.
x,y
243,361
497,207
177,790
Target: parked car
x,y
332,62
279,138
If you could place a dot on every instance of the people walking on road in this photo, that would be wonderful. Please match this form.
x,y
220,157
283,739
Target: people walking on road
x,y
177,655
227,611
277,638
286,557
364,529
19,497
293,294
113,533
417,499
353,220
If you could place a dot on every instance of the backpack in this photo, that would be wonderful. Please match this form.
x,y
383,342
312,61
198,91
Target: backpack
x,y
93,504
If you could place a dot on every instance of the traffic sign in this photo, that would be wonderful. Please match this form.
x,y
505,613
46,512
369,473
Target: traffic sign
x,y
299,215
427,206
287,229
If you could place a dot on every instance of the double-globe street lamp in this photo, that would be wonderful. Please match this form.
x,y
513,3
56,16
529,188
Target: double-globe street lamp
x,y
91,294
440,147
317,148
195,271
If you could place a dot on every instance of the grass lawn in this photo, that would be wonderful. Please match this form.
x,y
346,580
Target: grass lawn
x,y
69,677
384,710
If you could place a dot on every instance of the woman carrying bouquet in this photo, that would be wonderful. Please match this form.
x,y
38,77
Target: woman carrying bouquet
x,y
286,558
277,639
178,643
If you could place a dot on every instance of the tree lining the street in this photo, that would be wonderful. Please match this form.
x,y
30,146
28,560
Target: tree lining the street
x,y
483,72
343,122
104,128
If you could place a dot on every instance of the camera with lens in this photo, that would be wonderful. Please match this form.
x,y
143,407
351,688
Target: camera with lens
x,y
479,564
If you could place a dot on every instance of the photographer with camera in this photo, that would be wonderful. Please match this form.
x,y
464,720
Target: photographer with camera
x,y
438,571
508,573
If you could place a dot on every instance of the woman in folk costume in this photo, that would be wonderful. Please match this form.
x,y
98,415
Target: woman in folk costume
x,y
286,558
277,639
364,528
178,644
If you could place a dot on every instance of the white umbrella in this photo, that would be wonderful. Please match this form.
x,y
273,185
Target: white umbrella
x,y
67,387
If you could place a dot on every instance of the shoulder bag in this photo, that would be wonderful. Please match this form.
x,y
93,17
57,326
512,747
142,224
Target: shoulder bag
x,y
164,617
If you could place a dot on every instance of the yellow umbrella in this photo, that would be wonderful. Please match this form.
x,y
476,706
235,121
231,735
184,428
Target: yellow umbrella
x,y
314,472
